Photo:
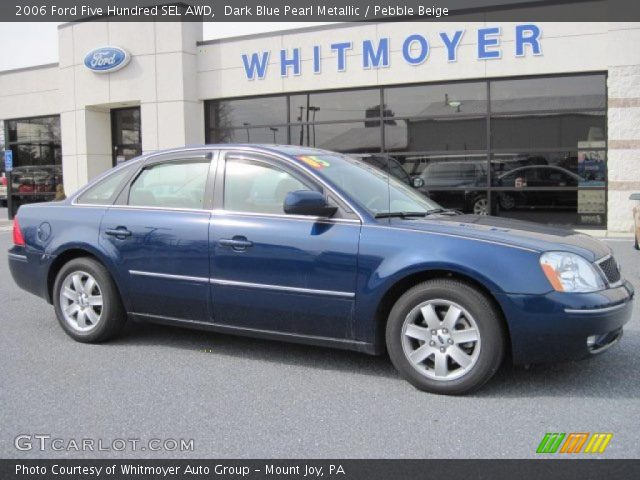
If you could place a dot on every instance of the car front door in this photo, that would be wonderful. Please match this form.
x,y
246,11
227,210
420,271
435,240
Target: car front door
x,y
276,272
158,231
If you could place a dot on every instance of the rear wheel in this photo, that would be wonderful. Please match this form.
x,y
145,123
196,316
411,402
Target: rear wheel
x,y
506,201
445,336
86,301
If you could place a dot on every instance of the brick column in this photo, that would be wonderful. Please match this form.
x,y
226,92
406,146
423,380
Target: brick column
x,y
623,124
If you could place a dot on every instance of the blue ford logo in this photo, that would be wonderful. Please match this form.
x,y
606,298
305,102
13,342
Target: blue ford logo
x,y
106,59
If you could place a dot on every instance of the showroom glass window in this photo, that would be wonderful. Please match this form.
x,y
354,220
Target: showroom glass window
x,y
37,158
548,149
531,148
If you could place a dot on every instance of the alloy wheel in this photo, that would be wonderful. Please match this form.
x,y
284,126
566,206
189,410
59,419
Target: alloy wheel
x,y
441,339
81,301
481,207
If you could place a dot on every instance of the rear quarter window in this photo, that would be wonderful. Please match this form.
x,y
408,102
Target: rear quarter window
x,y
106,191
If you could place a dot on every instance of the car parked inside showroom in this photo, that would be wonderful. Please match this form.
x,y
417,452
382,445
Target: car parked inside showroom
x,y
457,184
316,247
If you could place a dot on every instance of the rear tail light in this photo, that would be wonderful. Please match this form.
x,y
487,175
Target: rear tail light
x,y
18,239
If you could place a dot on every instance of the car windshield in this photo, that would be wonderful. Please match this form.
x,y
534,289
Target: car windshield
x,y
369,186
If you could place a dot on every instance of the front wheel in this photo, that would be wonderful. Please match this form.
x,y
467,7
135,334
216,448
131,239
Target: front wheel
x,y
445,336
87,302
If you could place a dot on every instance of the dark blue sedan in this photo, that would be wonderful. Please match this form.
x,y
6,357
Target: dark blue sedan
x,y
316,247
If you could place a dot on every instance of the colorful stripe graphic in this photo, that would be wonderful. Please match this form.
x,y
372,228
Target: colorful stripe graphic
x,y
574,442
314,161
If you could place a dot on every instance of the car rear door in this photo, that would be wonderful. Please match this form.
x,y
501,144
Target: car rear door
x,y
276,272
158,231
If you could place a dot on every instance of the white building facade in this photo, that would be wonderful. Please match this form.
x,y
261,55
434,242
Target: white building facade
x,y
541,120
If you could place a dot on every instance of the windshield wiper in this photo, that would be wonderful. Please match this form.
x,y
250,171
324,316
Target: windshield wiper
x,y
445,211
400,214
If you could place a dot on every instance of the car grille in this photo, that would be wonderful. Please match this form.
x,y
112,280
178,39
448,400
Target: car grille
x,y
609,267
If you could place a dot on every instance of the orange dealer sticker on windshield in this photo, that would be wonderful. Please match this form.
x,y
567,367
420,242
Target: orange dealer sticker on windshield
x,y
314,162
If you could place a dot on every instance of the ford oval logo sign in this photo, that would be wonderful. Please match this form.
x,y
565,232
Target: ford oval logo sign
x,y
106,59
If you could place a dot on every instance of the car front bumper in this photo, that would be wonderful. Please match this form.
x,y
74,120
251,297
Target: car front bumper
x,y
565,326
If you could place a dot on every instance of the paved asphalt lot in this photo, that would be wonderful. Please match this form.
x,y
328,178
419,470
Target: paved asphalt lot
x,y
240,397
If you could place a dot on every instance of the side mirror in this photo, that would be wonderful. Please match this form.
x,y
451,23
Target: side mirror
x,y
308,202
635,196
417,182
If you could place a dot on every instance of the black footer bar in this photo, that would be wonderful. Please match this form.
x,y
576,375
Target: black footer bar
x,y
547,469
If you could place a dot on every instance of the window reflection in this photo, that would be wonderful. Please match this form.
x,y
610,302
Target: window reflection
x,y
335,106
429,100
549,93
37,159
551,130
541,134
248,112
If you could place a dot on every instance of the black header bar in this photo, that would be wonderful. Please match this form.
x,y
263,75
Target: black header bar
x,y
319,10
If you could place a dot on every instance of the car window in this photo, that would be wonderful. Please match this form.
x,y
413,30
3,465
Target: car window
x,y
176,184
105,191
257,187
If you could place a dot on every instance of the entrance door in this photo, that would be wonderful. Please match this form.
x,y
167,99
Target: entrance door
x,y
125,134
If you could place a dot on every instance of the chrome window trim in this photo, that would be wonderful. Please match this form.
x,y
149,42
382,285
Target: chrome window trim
x,y
169,209
169,276
233,283
306,218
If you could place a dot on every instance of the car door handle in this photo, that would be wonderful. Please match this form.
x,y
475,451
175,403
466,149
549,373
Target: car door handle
x,y
120,232
237,243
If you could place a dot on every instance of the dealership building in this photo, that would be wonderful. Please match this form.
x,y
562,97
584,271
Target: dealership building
x,y
532,120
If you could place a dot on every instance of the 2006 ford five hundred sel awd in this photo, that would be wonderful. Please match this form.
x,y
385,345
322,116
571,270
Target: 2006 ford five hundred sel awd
x,y
316,247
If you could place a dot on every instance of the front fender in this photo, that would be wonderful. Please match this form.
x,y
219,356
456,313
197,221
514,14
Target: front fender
x,y
387,256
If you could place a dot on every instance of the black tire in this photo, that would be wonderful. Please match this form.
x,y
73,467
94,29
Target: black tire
x,y
484,314
506,201
112,317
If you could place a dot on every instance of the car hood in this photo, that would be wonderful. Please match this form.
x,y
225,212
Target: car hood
x,y
517,233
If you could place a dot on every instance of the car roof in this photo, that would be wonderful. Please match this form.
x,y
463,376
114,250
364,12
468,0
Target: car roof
x,y
289,150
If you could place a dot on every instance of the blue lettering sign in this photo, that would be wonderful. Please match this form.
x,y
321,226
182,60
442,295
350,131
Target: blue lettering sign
x,y
285,62
452,44
422,53
374,57
257,64
486,39
416,49
527,35
316,59
341,49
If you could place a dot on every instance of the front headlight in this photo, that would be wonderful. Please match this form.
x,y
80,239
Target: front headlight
x,y
568,272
